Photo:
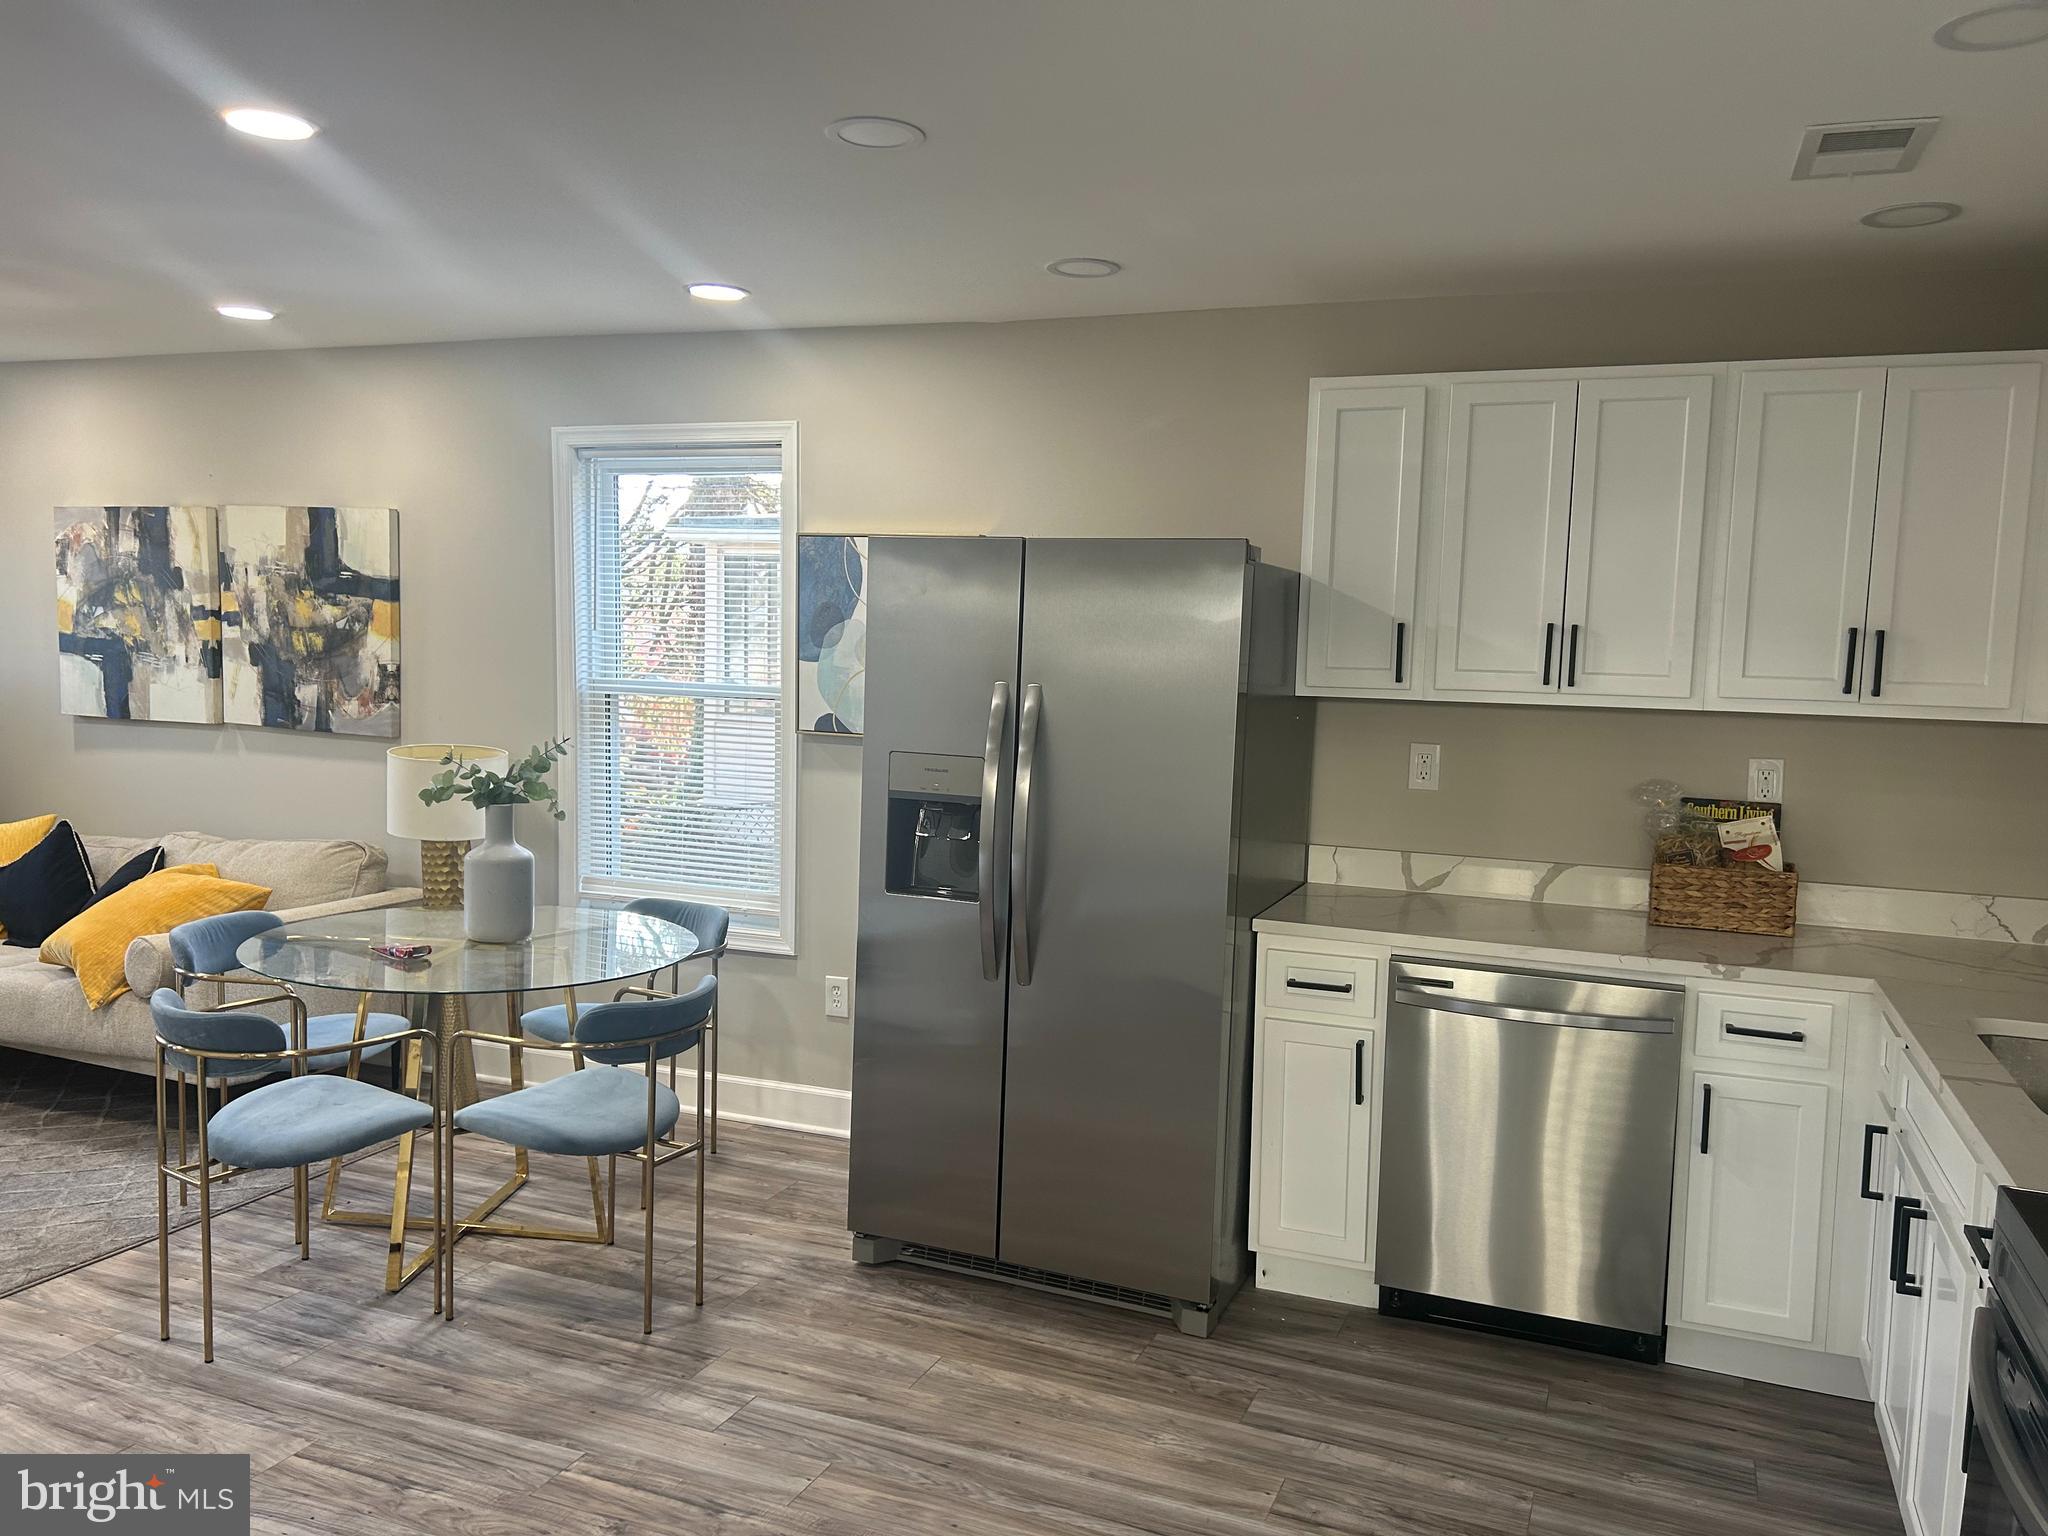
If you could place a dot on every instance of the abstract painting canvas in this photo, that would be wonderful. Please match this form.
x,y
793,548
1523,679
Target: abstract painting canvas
x,y
138,613
831,632
309,618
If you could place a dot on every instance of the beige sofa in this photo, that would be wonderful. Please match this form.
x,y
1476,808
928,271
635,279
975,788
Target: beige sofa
x,y
42,1008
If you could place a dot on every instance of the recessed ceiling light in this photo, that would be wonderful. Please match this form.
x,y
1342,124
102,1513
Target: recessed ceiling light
x,y
244,312
1084,266
2012,25
1911,215
876,132
262,123
717,293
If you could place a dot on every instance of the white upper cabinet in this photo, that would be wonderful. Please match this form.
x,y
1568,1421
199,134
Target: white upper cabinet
x,y
1506,511
1639,496
1364,517
1541,538
1801,508
1953,490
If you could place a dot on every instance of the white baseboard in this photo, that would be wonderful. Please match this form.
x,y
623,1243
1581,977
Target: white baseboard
x,y
755,1100
1288,1276
1810,1370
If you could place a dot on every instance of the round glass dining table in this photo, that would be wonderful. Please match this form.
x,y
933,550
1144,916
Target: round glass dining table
x,y
570,947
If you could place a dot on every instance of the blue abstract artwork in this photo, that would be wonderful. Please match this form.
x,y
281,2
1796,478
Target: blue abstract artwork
x,y
831,632
138,613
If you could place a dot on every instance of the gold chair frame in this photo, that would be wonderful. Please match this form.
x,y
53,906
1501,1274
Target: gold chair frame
x,y
646,1154
198,1174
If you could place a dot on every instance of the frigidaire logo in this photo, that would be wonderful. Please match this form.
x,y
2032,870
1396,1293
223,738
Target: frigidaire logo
x,y
179,1496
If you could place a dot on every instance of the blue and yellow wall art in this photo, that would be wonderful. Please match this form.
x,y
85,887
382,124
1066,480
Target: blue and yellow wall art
x,y
309,618
138,613
831,632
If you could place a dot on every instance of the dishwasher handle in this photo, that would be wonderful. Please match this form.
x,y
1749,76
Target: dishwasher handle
x,y
1508,1014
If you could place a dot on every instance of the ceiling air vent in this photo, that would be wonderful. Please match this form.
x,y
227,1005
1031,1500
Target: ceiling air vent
x,y
1863,149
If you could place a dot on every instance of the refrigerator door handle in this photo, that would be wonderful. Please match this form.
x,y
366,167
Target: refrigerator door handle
x,y
1020,839
991,779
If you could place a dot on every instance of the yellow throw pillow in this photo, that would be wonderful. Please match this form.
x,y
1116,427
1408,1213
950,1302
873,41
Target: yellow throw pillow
x,y
17,837
95,943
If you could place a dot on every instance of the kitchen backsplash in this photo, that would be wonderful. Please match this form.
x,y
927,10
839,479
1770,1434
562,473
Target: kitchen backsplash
x,y
1938,914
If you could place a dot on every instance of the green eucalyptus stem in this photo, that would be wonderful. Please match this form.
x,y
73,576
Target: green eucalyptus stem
x,y
524,783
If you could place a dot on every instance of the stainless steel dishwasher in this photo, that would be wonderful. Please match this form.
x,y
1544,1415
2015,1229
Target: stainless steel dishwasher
x,y
1526,1149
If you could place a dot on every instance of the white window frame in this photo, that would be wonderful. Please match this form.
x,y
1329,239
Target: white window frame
x,y
569,442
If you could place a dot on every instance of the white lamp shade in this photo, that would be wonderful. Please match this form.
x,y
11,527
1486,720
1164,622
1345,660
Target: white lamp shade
x,y
408,770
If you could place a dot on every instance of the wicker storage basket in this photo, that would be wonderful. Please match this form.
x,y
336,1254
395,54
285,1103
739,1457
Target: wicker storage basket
x,y
1734,898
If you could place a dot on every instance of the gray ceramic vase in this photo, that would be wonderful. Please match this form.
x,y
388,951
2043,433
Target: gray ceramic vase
x,y
497,883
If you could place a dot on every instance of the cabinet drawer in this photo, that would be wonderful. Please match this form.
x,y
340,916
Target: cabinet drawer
x,y
1305,981
1781,1029
1949,1156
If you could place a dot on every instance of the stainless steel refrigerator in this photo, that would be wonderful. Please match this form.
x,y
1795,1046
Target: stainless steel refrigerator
x,y
1084,773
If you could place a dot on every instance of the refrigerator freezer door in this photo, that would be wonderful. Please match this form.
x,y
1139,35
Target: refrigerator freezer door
x,y
928,1037
1117,1045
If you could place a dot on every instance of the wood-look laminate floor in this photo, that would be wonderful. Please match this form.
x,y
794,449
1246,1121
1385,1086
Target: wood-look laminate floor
x,y
811,1395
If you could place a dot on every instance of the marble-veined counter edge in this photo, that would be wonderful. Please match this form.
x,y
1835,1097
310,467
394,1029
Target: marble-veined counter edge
x,y
1932,989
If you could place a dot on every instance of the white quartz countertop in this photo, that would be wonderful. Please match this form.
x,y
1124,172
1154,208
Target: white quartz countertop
x,y
1939,992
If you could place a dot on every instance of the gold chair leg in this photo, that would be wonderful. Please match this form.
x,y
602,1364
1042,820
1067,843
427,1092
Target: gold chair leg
x,y
611,1202
182,1191
401,1184
647,1205
700,1179
163,1211
205,1227
353,1069
711,1065
434,1127
449,1230
302,1180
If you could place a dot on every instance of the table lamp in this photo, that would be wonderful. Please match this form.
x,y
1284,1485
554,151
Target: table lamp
x,y
445,831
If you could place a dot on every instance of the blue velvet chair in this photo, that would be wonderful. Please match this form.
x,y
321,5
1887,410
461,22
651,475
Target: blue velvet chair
x,y
291,1123
711,925
205,950
601,1109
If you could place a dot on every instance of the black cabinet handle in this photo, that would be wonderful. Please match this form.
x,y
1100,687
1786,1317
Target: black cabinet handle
x,y
1358,1072
1789,1036
1877,666
1904,1281
1343,987
1849,666
1400,647
1706,1114
1549,640
1979,1239
1870,1135
1571,666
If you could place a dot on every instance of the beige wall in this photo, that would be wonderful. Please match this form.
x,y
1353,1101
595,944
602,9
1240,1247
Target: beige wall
x,y
1927,805
1160,424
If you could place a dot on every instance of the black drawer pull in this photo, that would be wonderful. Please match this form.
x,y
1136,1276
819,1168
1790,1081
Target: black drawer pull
x,y
1906,1282
1877,666
1979,1239
1549,640
1849,667
1571,667
1870,1135
1400,648
1706,1114
1343,987
1789,1036
1358,1073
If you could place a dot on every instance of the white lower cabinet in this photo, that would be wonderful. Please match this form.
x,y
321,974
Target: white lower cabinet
x,y
1754,1194
1315,1140
1924,1289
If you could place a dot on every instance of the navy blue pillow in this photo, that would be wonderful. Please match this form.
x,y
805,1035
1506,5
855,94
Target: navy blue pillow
x,y
147,862
45,888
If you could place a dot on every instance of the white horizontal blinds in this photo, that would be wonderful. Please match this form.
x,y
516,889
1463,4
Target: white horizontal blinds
x,y
679,721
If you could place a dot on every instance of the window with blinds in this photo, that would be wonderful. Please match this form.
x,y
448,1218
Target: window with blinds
x,y
681,752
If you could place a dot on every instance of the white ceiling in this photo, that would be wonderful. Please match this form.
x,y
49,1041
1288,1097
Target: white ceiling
x,y
527,167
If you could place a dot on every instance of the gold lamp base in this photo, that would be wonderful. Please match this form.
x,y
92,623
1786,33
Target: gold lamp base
x,y
441,875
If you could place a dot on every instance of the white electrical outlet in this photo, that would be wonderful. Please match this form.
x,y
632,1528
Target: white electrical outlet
x,y
1767,779
1425,764
835,998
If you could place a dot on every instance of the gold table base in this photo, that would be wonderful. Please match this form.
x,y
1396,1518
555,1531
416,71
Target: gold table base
x,y
455,1085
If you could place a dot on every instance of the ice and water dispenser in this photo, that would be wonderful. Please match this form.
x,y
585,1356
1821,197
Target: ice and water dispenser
x,y
934,826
